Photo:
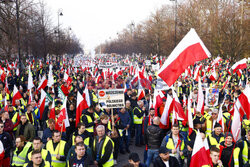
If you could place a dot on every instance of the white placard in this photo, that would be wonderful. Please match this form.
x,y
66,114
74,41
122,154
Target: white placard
x,y
111,98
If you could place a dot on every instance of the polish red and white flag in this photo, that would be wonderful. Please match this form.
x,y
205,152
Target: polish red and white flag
x,y
190,50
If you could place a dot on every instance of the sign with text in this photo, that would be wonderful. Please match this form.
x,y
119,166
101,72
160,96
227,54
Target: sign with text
x,y
111,98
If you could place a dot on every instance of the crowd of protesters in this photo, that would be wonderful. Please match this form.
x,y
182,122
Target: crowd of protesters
x,y
101,135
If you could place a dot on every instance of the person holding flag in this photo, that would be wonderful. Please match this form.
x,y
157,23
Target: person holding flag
x,y
174,141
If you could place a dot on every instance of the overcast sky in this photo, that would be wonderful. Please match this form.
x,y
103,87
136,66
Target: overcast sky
x,y
94,21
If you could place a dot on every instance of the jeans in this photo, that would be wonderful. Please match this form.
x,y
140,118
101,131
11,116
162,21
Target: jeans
x,y
152,154
124,139
138,134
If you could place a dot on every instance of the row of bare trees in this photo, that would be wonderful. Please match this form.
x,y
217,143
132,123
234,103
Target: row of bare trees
x,y
38,36
221,24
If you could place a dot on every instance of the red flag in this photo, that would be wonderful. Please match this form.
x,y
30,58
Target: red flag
x,y
141,93
16,95
62,121
200,103
52,111
199,154
6,88
190,50
167,109
79,107
242,64
244,100
42,102
43,83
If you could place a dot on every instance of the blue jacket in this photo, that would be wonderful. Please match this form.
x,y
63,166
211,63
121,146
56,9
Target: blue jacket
x,y
124,119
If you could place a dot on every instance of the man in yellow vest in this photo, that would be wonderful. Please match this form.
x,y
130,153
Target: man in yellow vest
x,y
138,112
103,148
81,131
243,154
175,143
36,160
88,118
216,137
37,145
22,149
210,121
57,149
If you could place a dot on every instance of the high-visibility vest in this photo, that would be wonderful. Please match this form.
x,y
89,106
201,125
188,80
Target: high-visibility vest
x,y
182,127
213,141
55,162
236,153
90,129
170,145
209,126
46,164
95,99
19,160
245,153
136,119
44,154
86,141
110,162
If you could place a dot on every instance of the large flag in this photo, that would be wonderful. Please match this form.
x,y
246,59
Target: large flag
x,y
179,112
52,111
167,109
220,117
79,107
197,72
87,100
16,95
244,100
61,95
200,103
42,102
236,123
190,50
63,121
43,83
190,116
67,79
240,65
30,80
141,93
199,154
50,77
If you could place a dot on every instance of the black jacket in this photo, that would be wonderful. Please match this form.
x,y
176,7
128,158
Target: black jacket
x,y
30,164
7,144
107,152
153,136
173,162
88,161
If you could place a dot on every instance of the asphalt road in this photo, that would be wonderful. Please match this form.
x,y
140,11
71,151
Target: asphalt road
x,y
123,158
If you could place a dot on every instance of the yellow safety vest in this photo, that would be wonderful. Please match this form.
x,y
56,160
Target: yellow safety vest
x,y
110,162
236,153
44,154
86,141
209,126
46,164
213,141
170,145
245,153
19,160
95,99
55,162
90,129
136,119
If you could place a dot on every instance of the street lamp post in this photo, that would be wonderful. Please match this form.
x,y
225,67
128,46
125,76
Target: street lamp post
x,y
175,22
59,13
